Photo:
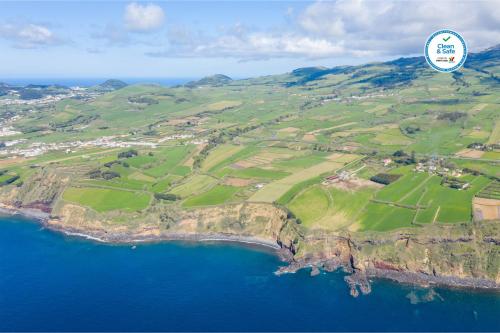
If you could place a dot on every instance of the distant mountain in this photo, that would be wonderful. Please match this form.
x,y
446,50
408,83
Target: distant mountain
x,y
45,86
389,73
307,74
213,80
112,85
309,71
37,86
393,73
481,60
408,62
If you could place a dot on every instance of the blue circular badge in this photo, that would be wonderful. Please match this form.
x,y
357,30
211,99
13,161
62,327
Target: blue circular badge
x,y
445,50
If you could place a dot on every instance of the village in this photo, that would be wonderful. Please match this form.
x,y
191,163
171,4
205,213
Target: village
x,y
13,97
40,148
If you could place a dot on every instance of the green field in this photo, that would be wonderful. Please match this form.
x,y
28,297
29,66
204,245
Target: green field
x,y
382,217
403,188
425,201
219,155
258,173
217,195
194,185
454,205
168,160
310,205
273,191
103,200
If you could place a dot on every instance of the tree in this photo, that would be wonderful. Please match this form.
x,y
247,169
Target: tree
x,y
128,153
110,175
412,157
166,196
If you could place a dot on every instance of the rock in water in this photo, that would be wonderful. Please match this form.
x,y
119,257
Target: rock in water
x,y
315,271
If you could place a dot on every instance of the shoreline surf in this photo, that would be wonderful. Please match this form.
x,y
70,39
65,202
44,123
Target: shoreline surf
x,y
400,277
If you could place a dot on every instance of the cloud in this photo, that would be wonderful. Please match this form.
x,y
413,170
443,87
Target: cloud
x,y
137,18
143,18
400,27
239,42
265,45
346,28
29,36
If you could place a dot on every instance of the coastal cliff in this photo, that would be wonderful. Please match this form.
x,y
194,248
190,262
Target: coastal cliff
x,y
465,255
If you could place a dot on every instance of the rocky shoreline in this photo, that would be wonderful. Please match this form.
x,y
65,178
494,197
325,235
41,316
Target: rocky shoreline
x,y
426,280
126,238
357,279
30,213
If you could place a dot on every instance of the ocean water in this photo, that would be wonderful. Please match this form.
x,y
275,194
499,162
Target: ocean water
x,y
88,82
52,282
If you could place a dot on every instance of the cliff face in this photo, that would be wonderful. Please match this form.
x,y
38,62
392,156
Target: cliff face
x,y
463,251
40,191
262,222
462,254
466,255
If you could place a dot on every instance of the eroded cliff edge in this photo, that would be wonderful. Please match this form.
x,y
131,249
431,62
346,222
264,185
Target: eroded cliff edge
x,y
466,255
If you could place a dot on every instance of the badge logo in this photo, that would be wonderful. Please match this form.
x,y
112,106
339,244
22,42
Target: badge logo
x,y
445,51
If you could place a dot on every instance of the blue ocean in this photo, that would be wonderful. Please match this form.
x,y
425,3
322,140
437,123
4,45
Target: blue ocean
x,y
88,82
52,282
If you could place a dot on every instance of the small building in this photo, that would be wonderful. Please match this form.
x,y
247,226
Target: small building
x,y
330,179
419,167
344,175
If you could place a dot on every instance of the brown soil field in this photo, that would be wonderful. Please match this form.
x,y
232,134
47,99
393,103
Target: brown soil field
x,y
470,153
260,159
486,209
354,184
12,161
238,182
289,130
309,137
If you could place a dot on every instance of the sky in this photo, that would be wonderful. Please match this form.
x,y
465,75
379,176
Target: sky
x,y
189,39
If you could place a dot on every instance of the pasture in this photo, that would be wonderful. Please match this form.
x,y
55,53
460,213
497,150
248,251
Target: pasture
x,y
215,196
310,205
103,200
193,185
273,191
218,155
383,217
168,160
418,199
